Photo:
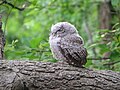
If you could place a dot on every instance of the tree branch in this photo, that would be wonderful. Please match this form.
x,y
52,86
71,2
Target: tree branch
x,y
10,4
31,75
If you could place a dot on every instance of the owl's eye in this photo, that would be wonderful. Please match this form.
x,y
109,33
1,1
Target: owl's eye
x,y
61,30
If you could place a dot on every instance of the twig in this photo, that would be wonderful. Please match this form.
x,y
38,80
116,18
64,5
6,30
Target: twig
x,y
10,4
111,63
98,58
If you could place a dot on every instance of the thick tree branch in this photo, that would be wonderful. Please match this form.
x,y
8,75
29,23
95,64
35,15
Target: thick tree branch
x,y
29,75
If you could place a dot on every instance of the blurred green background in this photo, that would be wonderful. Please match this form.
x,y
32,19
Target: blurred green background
x,y
27,31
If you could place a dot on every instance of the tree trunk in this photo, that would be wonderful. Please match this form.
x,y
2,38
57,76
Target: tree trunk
x,y
2,39
104,15
30,75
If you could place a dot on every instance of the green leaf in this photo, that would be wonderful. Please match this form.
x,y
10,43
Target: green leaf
x,y
115,56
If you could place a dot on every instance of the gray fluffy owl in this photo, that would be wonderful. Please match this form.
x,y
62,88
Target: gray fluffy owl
x,y
66,44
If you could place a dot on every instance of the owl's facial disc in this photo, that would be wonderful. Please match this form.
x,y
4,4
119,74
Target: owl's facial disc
x,y
62,29
58,30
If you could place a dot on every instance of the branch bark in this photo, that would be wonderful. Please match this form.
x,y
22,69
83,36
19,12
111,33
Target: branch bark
x,y
31,75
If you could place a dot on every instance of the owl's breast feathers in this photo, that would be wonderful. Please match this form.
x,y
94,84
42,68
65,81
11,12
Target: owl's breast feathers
x,y
55,48
71,47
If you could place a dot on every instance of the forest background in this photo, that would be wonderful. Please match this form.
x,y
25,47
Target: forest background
x,y
26,24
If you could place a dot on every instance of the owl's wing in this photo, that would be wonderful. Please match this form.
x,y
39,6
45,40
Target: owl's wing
x,y
72,49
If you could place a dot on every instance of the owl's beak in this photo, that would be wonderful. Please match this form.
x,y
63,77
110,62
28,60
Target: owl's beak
x,y
53,34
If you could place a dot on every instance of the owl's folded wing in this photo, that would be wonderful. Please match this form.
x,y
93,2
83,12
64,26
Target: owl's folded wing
x,y
73,50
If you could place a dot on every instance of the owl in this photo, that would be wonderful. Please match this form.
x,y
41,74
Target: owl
x,y
67,45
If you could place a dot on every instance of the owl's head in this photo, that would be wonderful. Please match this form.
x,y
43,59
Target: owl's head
x,y
62,29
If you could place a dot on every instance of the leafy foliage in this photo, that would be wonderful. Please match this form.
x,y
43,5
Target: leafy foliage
x,y
112,45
